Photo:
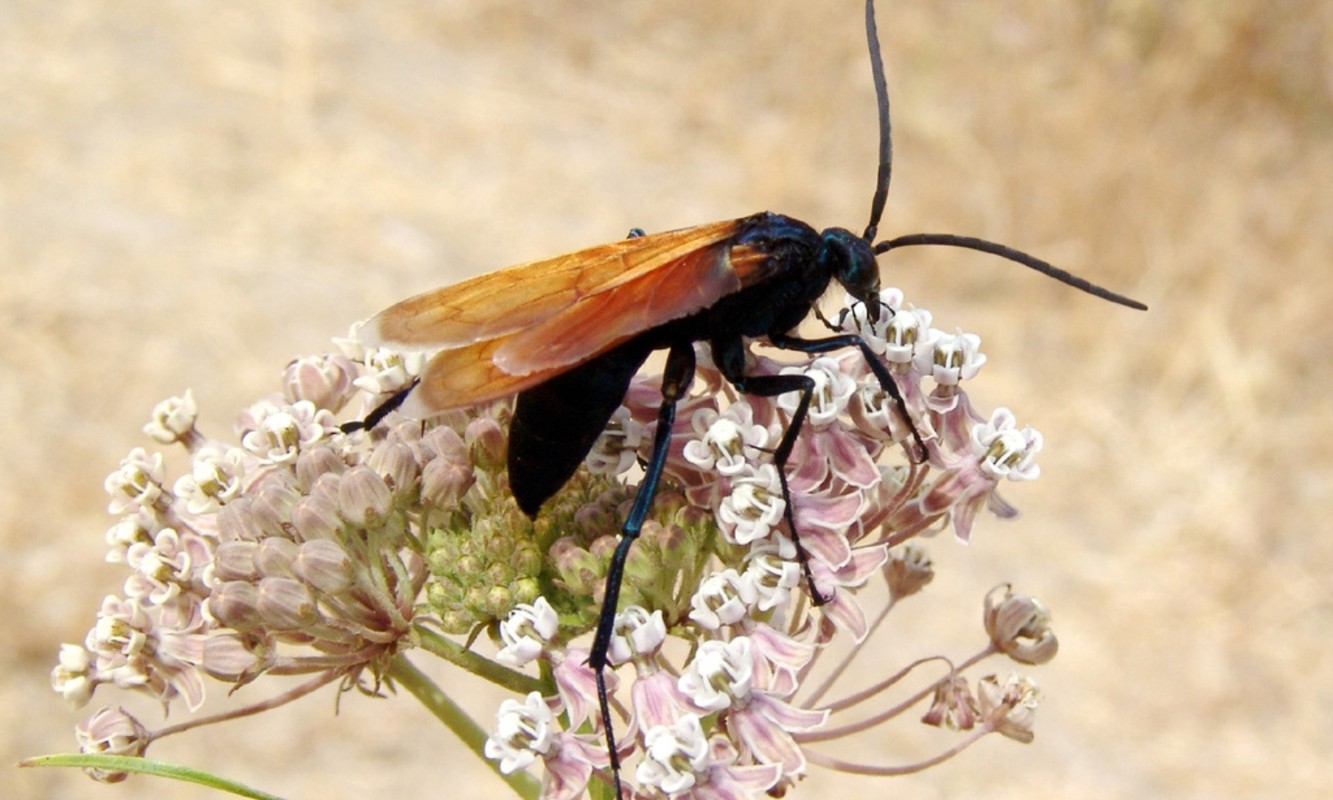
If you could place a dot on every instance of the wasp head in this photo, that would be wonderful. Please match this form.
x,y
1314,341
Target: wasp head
x,y
850,259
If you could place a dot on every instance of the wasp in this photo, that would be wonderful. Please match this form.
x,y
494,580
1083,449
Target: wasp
x,y
565,335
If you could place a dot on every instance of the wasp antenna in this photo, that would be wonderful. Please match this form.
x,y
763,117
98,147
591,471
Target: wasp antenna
x,y
1032,262
885,127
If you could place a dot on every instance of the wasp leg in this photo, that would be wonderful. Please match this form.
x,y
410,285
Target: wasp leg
x,y
886,382
676,380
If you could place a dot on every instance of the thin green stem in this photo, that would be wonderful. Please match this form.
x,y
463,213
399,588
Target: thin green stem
x,y
478,665
456,719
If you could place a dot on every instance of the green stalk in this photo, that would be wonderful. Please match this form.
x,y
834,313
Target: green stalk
x,y
478,665
405,674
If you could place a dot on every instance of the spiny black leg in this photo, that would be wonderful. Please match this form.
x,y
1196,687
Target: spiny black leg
x,y
381,411
772,386
881,372
676,380
730,358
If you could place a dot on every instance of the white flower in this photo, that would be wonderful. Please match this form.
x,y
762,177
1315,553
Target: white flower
x,y
71,676
617,449
636,634
277,433
675,756
723,439
723,598
526,632
523,732
772,576
388,370
904,335
1005,451
173,418
137,483
951,357
754,507
833,389
214,480
720,674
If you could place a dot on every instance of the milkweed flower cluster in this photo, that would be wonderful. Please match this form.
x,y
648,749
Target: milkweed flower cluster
x,y
298,548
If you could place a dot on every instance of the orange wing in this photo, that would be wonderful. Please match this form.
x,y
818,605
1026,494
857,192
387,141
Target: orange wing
x,y
507,331
512,299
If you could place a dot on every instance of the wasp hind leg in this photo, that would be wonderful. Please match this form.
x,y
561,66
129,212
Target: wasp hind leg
x,y
676,380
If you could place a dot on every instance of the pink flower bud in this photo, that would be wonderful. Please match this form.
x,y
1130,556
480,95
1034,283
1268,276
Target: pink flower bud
x,y
444,482
272,510
363,498
274,557
486,442
315,462
316,518
227,657
324,565
236,605
286,604
394,462
237,523
235,561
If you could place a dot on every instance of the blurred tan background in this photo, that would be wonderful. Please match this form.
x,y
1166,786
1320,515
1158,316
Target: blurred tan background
x,y
193,193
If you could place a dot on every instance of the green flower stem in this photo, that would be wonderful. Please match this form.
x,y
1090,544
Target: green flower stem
x,y
480,666
405,674
144,766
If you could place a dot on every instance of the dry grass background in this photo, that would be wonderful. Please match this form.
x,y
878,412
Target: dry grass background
x,y
192,193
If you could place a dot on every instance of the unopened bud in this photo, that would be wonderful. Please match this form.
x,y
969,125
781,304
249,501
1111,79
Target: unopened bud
x,y
394,462
527,590
316,518
235,604
235,561
274,557
314,462
236,521
444,482
286,604
273,510
227,657
324,565
444,442
499,600
486,442
363,498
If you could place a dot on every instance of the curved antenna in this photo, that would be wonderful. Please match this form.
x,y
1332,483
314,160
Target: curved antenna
x,y
885,128
1018,256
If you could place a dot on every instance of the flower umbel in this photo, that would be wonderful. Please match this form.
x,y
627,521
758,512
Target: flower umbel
x,y
299,549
